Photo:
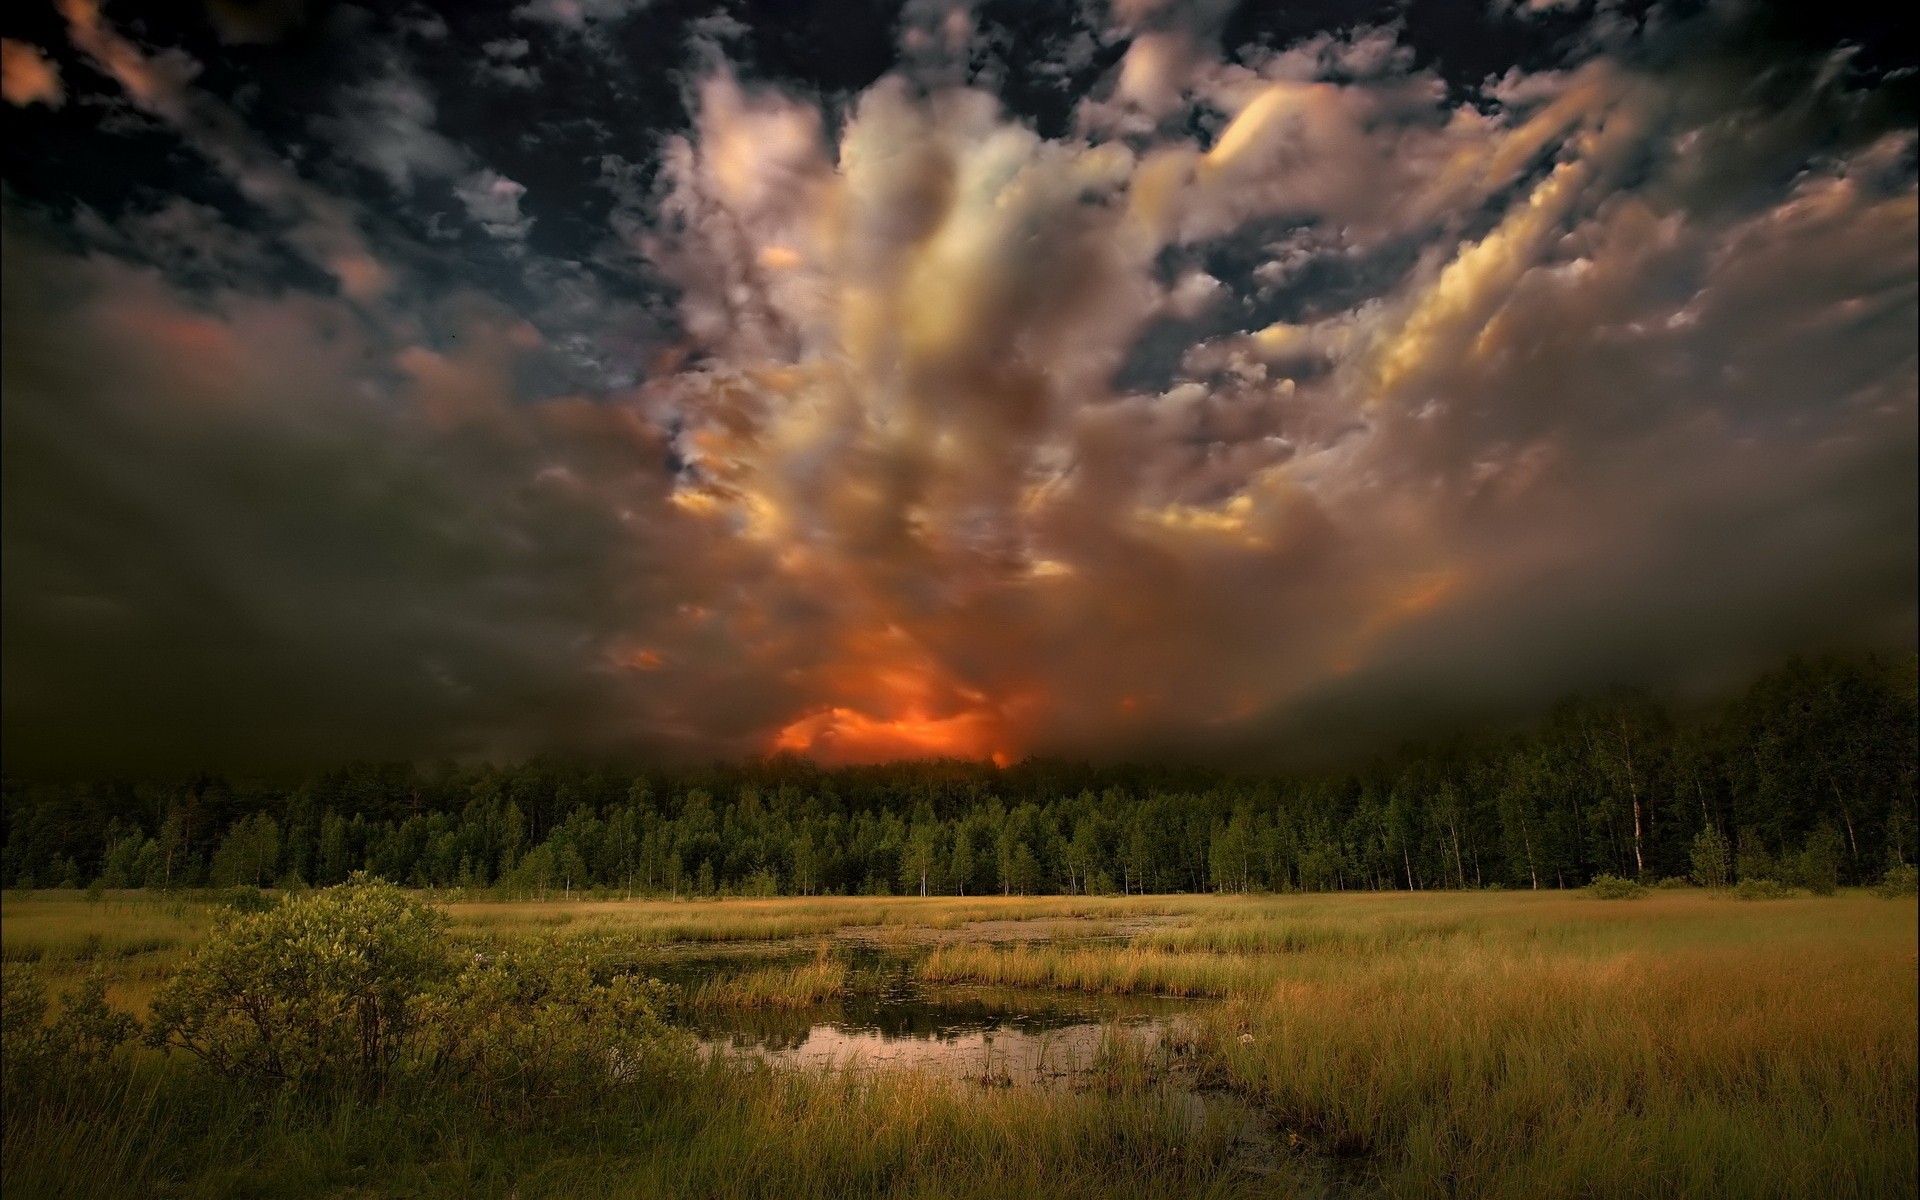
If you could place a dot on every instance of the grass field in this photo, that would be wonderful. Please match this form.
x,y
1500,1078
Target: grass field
x,y
1432,1044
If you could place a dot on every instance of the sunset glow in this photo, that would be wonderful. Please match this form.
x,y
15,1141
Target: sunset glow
x,y
842,735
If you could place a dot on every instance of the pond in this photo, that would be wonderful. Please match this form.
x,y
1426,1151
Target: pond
x,y
1002,1036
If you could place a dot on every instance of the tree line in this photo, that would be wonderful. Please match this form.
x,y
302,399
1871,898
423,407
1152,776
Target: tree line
x,y
1813,765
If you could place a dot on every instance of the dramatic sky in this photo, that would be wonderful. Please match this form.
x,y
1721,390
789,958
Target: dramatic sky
x,y
1158,377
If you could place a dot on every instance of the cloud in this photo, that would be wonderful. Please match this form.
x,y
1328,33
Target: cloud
x,y
493,201
839,438
386,122
908,408
264,530
28,77
506,63
576,14
319,227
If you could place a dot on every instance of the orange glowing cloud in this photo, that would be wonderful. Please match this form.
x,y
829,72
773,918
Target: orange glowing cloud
x,y
887,697
28,77
844,735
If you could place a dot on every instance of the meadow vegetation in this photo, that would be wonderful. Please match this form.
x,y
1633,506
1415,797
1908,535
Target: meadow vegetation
x,y
362,1041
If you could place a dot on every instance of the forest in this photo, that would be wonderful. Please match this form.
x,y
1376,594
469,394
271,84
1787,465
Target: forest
x,y
1807,777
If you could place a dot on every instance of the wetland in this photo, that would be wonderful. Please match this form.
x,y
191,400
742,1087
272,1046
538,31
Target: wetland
x,y
1366,1045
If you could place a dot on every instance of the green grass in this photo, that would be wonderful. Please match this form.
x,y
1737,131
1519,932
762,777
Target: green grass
x,y
1438,1044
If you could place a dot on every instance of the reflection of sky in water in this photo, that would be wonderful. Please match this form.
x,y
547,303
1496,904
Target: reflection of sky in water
x,y
1022,1055
898,1022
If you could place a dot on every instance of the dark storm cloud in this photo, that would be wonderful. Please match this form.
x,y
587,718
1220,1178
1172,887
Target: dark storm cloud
x,y
250,534
976,379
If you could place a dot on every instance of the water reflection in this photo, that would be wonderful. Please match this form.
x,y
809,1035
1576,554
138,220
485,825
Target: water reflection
x,y
996,1035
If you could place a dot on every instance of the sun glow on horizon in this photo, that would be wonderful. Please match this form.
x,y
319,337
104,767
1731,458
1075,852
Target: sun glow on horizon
x,y
839,735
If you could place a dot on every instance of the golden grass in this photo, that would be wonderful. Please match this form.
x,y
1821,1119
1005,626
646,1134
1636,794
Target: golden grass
x,y
801,986
1121,971
66,927
1513,1044
668,921
135,939
1544,1045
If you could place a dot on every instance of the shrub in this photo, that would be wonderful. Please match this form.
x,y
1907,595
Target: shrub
x,y
526,1026
243,899
1817,866
1612,887
86,1033
1762,889
322,987
1902,879
1674,882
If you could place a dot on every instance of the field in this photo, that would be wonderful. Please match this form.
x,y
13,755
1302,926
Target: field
x,y
1432,1044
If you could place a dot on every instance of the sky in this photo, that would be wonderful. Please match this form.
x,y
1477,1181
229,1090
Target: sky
x,y
1161,378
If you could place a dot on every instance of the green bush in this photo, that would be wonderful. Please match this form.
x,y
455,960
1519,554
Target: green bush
x,y
34,1050
243,899
1612,887
1674,883
1817,866
1902,879
324,987
1762,889
524,1027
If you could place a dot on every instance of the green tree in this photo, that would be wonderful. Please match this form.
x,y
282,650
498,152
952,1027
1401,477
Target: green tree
x,y
1712,859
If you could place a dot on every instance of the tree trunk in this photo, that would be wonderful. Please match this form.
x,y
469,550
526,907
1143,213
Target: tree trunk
x,y
1633,790
1846,814
1526,839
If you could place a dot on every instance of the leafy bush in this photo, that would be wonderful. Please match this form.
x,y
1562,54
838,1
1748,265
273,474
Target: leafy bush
x,y
322,987
1612,887
1902,879
243,899
1817,866
526,1026
1674,883
86,1033
1762,889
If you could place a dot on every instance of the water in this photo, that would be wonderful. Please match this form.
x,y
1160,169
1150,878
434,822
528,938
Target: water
x,y
997,1037
1000,1036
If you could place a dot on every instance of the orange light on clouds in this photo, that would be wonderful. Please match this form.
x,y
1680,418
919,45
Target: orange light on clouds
x,y
887,698
843,735
1425,594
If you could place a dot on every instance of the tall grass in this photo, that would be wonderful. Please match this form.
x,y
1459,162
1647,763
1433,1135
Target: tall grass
x,y
1732,1071
62,929
714,1129
1122,971
802,986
